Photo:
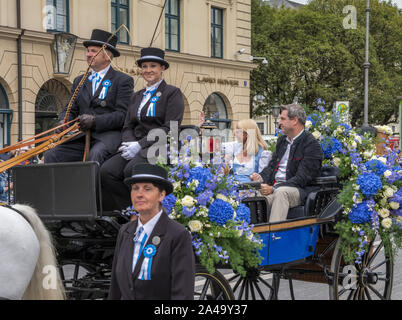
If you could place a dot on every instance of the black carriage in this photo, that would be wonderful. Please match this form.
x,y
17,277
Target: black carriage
x,y
304,247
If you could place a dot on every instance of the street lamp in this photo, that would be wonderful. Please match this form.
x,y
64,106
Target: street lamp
x,y
366,127
276,109
63,52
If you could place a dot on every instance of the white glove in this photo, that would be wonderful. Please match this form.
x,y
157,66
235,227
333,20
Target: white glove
x,y
129,149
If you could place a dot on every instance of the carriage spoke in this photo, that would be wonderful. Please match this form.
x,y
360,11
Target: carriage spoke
x,y
379,265
252,283
367,293
376,292
375,253
205,289
234,277
266,283
237,284
260,292
351,295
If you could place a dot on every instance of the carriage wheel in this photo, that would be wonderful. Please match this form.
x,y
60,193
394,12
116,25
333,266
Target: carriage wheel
x,y
370,280
73,273
211,286
257,284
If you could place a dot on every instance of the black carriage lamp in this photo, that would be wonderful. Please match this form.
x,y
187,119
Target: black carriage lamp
x,y
276,110
63,48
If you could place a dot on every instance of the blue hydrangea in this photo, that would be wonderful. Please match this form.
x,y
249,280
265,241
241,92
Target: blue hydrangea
x,y
360,214
369,184
169,202
202,175
376,166
204,197
243,213
220,212
330,146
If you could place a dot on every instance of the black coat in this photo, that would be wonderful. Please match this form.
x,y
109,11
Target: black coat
x,y
110,112
169,107
173,266
304,164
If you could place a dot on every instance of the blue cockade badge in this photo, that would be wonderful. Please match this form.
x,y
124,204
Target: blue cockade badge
x,y
151,108
106,85
149,252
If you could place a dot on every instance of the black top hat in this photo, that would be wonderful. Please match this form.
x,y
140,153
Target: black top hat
x,y
153,54
146,172
100,37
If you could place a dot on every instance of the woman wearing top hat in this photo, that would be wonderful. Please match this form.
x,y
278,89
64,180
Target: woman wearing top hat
x,y
101,104
155,107
154,258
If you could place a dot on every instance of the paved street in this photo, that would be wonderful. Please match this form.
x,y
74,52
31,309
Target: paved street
x,y
312,291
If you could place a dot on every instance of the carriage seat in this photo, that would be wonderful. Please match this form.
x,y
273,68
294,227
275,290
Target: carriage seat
x,y
324,189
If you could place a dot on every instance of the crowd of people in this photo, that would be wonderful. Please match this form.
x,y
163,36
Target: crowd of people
x,y
154,257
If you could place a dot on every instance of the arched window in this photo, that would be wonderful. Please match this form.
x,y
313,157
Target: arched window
x,y
215,110
51,99
5,118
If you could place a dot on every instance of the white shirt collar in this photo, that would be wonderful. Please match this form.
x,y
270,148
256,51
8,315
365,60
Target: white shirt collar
x,y
149,226
154,86
293,140
103,72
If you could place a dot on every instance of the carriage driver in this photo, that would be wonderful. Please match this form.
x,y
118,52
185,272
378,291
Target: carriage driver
x,y
295,163
154,257
101,105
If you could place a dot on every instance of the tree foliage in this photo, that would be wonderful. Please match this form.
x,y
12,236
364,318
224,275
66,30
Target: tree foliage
x,y
311,55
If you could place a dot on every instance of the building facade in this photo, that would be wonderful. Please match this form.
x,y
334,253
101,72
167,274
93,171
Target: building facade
x,y
207,44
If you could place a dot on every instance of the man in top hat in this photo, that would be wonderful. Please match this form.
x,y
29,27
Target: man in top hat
x,y
155,107
101,104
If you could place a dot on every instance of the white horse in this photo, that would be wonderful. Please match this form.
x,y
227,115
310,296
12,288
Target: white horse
x,y
28,267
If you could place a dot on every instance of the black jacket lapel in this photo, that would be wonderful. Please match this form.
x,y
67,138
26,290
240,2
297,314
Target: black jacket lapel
x,y
130,248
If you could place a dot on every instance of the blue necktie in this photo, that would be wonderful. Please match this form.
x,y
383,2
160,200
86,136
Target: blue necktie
x,y
139,239
96,81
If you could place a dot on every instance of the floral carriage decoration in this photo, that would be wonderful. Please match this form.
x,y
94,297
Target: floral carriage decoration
x,y
371,192
206,201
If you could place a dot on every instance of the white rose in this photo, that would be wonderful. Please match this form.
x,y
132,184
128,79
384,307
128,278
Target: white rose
x,y
389,192
367,154
337,161
354,145
383,212
308,124
387,173
176,185
386,223
358,139
316,134
188,201
195,225
394,205
383,160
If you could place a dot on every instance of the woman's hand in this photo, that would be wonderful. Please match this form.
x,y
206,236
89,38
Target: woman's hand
x,y
256,177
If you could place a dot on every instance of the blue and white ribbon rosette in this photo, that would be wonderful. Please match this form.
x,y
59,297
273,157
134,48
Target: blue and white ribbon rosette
x,y
149,252
106,84
151,108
